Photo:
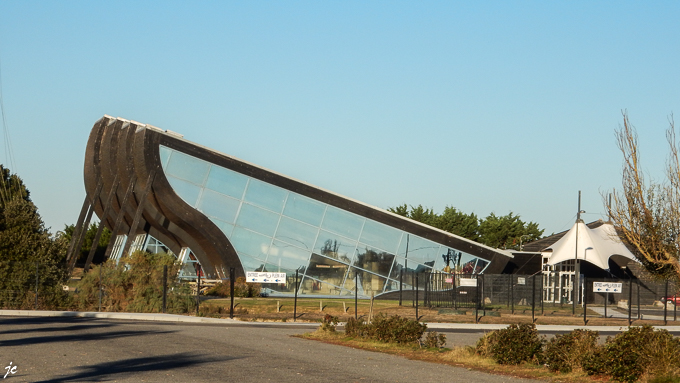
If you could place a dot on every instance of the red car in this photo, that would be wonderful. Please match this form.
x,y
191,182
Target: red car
x,y
673,298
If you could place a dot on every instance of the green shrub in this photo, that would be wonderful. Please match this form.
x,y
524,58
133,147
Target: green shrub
x,y
434,340
512,345
242,289
354,328
563,353
394,329
328,323
485,344
135,285
636,353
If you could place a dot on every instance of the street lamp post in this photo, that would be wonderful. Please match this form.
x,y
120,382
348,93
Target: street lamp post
x,y
577,269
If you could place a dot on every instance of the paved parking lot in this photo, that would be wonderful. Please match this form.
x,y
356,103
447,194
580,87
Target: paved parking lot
x,y
88,350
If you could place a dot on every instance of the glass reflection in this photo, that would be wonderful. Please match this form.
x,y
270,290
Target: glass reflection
x,y
304,209
265,195
286,256
380,236
369,283
250,243
342,222
259,220
373,260
296,233
334,246
327,270
226,182
185,190
281,231
218,205
187,167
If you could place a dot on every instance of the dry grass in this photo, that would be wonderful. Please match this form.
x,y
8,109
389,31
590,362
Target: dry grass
x,y
464,357
308,310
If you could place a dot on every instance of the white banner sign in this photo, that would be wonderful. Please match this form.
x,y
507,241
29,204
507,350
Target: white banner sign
x,y
607,287
260,277
468,282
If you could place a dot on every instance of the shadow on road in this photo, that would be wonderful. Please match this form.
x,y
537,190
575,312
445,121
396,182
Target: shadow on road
x,y
117,369
77,337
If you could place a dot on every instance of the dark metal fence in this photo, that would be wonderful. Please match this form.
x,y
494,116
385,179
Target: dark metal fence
x,y
621,299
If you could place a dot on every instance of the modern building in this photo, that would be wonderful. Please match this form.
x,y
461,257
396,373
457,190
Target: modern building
x,y
157,191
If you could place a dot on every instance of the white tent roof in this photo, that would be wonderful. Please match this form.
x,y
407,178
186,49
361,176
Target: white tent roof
x,y
594,245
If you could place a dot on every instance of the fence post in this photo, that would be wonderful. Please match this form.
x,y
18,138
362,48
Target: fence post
x,y
198,287
533,299
476,300
297,275
512,294
356,295
585,300
630,300
232,275
401,281
37,280
165,287
414,288
100,287
675,307
416,296
638,299
509,288
606,298
665,305
483,299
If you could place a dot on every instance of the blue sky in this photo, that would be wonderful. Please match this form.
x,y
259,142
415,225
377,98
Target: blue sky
x,y
484,106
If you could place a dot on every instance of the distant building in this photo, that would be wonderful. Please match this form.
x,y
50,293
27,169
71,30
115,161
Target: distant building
x,y
159,192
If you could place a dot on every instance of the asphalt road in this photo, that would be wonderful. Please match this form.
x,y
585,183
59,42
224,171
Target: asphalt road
x,y
94,350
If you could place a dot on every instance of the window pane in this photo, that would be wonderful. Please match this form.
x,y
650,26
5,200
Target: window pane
x,y
287,256
368,283
226,228
342,222
296,233
187,168
218,205
334,246
265,195
165,155
327,270
251,264
187,191
248,243
226,182
256,219
373,260
312,286
420,250
304,209
381,236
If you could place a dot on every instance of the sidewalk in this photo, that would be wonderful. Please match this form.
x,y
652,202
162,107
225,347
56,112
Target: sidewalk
x,y
226,321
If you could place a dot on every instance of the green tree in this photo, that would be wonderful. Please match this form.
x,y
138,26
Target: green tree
x,y
456,222
87,243
11,187
505,232
500,232
26,248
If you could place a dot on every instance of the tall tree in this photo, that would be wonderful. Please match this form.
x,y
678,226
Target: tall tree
x,y
87,243
647,213
506,232
501,232
26,246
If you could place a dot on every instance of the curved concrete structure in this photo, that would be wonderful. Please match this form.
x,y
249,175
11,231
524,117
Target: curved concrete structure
x,y
232,214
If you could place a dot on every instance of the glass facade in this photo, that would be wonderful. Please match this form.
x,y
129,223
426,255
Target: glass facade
x,y
277,230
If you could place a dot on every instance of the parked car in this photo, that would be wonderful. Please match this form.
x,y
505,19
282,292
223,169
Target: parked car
x,y
672,298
